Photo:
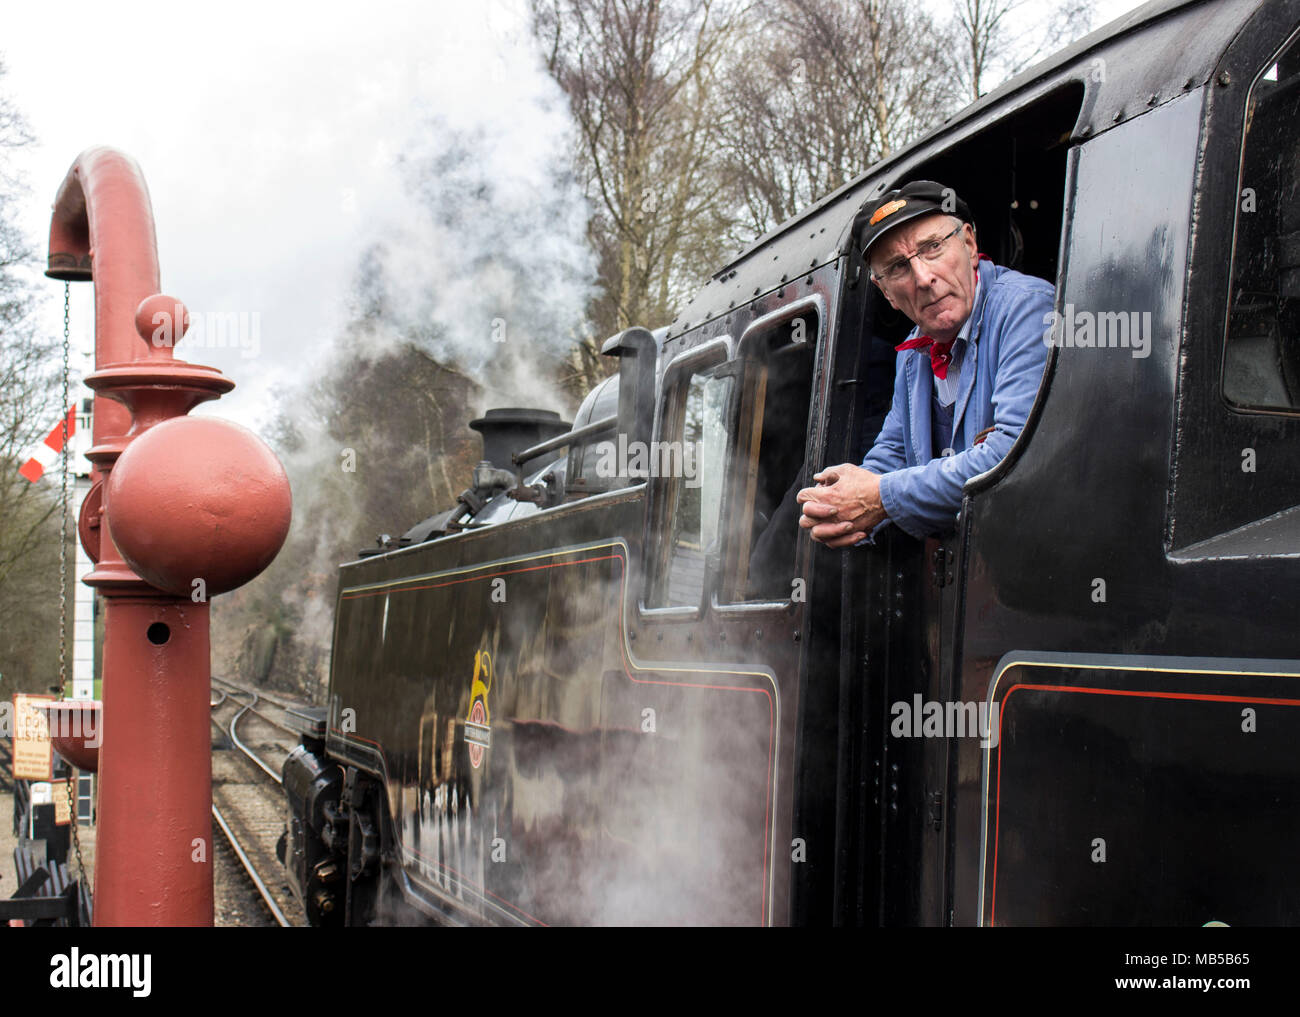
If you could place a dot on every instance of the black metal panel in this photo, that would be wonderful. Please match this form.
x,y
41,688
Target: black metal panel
x,y
1141,791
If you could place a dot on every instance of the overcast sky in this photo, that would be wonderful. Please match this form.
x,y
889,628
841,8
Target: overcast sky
x,y
267,133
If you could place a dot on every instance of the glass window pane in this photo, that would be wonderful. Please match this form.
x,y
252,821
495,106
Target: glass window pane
x,y
696,466
766,513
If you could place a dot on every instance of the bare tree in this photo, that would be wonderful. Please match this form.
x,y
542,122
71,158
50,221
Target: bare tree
x,y
819,92
29,405
641,77
1000,38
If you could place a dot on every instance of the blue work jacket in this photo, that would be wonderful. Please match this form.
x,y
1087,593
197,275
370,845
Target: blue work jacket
x,y
1001,368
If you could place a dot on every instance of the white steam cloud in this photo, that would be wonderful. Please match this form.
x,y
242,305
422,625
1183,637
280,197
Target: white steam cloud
x,y
277,142
484,263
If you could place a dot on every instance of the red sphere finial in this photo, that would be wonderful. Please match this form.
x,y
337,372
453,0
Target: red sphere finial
x,y
161,321
198,506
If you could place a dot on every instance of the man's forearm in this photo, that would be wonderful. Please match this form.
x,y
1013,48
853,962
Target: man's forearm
x,y
922,500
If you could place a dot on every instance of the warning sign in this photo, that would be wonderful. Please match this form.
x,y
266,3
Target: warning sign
x,y
62,810
33,756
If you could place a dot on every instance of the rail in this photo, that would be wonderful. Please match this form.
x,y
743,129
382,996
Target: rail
x,y
247,708
245,700
249,868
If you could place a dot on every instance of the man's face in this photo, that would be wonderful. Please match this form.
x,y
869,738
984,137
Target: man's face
x,y
937,295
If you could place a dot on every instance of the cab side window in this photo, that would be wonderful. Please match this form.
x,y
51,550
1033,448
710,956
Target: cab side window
x,y
770,468
689,460
1261,365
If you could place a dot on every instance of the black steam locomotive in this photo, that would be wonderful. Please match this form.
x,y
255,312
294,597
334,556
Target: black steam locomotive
x,y
615,683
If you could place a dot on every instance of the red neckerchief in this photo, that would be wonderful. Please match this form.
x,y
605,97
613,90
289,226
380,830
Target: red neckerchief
x,y
940,353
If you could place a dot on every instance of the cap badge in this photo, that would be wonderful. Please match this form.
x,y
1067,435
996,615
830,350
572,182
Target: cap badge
x,y
884,210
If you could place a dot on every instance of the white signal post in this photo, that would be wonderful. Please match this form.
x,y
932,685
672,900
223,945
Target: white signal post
x,y
82,615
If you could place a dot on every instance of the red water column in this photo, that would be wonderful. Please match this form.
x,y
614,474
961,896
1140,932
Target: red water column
x,y
202,506
196,506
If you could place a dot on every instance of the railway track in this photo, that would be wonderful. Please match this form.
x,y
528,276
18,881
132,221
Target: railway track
x,y
249,749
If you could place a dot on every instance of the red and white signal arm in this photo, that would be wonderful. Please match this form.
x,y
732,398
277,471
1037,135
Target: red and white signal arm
x,y
43,455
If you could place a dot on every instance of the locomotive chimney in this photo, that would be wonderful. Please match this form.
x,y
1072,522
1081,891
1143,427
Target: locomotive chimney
x,y
512,429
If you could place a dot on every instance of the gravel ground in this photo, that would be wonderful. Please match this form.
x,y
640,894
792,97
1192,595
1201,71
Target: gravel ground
x,y
237,904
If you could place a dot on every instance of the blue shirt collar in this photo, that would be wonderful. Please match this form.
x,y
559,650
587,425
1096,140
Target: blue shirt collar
x,y
963,333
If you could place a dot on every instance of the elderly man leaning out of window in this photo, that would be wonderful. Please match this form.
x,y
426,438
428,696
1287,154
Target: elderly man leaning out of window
x,y
964,384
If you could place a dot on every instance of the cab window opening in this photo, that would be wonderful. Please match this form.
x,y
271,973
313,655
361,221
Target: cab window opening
x,y
1013,175
771,462
689,461
1261,362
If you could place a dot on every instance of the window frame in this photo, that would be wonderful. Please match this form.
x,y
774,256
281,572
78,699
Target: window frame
x,y
723,599
1247,117
662,491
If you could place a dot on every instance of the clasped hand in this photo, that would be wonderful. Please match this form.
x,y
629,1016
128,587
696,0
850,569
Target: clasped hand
x,y
843,507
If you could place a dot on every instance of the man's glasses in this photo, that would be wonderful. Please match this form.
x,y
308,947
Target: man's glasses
x,y
899,269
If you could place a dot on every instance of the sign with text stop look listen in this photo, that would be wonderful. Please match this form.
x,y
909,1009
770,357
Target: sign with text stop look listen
x,y
33,756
